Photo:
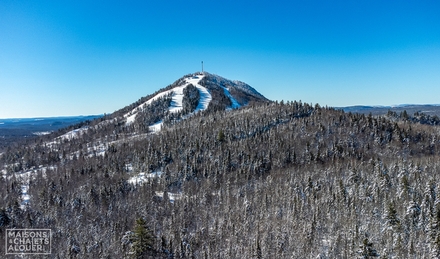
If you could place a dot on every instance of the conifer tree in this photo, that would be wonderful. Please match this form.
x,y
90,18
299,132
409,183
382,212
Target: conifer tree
x,y
143,239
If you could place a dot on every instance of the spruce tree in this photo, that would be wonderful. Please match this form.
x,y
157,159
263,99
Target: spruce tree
x,y
143,239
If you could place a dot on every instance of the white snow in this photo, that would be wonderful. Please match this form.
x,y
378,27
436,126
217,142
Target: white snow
x,y
130,119
138,179
205,98
129,168
42,133
25,197
177,98
25,177
74,133
172,196
156,126
142,177
235,104
176,101
97,149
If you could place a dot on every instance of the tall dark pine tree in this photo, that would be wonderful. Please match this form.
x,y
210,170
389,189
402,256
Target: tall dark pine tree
x,y
143,239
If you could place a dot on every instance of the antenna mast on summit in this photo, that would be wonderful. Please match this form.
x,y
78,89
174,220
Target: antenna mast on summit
x,y
202,67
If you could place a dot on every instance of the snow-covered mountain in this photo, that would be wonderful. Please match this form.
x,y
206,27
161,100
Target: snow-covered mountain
x,y
189,95
174,101
186,96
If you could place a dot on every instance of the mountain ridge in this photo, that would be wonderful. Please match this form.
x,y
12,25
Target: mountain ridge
x,y
429,109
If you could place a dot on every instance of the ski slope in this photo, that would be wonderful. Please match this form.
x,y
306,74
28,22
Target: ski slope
x,y
234,102
176,100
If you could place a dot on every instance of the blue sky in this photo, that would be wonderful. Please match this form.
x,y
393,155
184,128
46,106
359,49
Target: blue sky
x,y
61,58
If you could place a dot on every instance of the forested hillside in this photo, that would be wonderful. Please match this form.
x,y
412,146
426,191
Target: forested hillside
x,y
269,180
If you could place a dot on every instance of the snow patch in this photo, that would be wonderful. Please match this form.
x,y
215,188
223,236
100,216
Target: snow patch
x,y
156,127
172,196
235,104
98,149
24,177
131,118
25,197
74,133
42,133
143,177
129,168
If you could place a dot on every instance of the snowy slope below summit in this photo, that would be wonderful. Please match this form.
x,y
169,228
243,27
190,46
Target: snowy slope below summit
x,y
234,102
235,85
176,100
205,96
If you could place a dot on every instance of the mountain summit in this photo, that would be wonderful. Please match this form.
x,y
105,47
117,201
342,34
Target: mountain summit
x,y
188,95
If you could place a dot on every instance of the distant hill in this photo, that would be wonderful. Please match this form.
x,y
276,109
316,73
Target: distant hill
x,y
432,110
12,130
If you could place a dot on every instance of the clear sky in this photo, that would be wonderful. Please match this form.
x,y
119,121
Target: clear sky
x,y
61,58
